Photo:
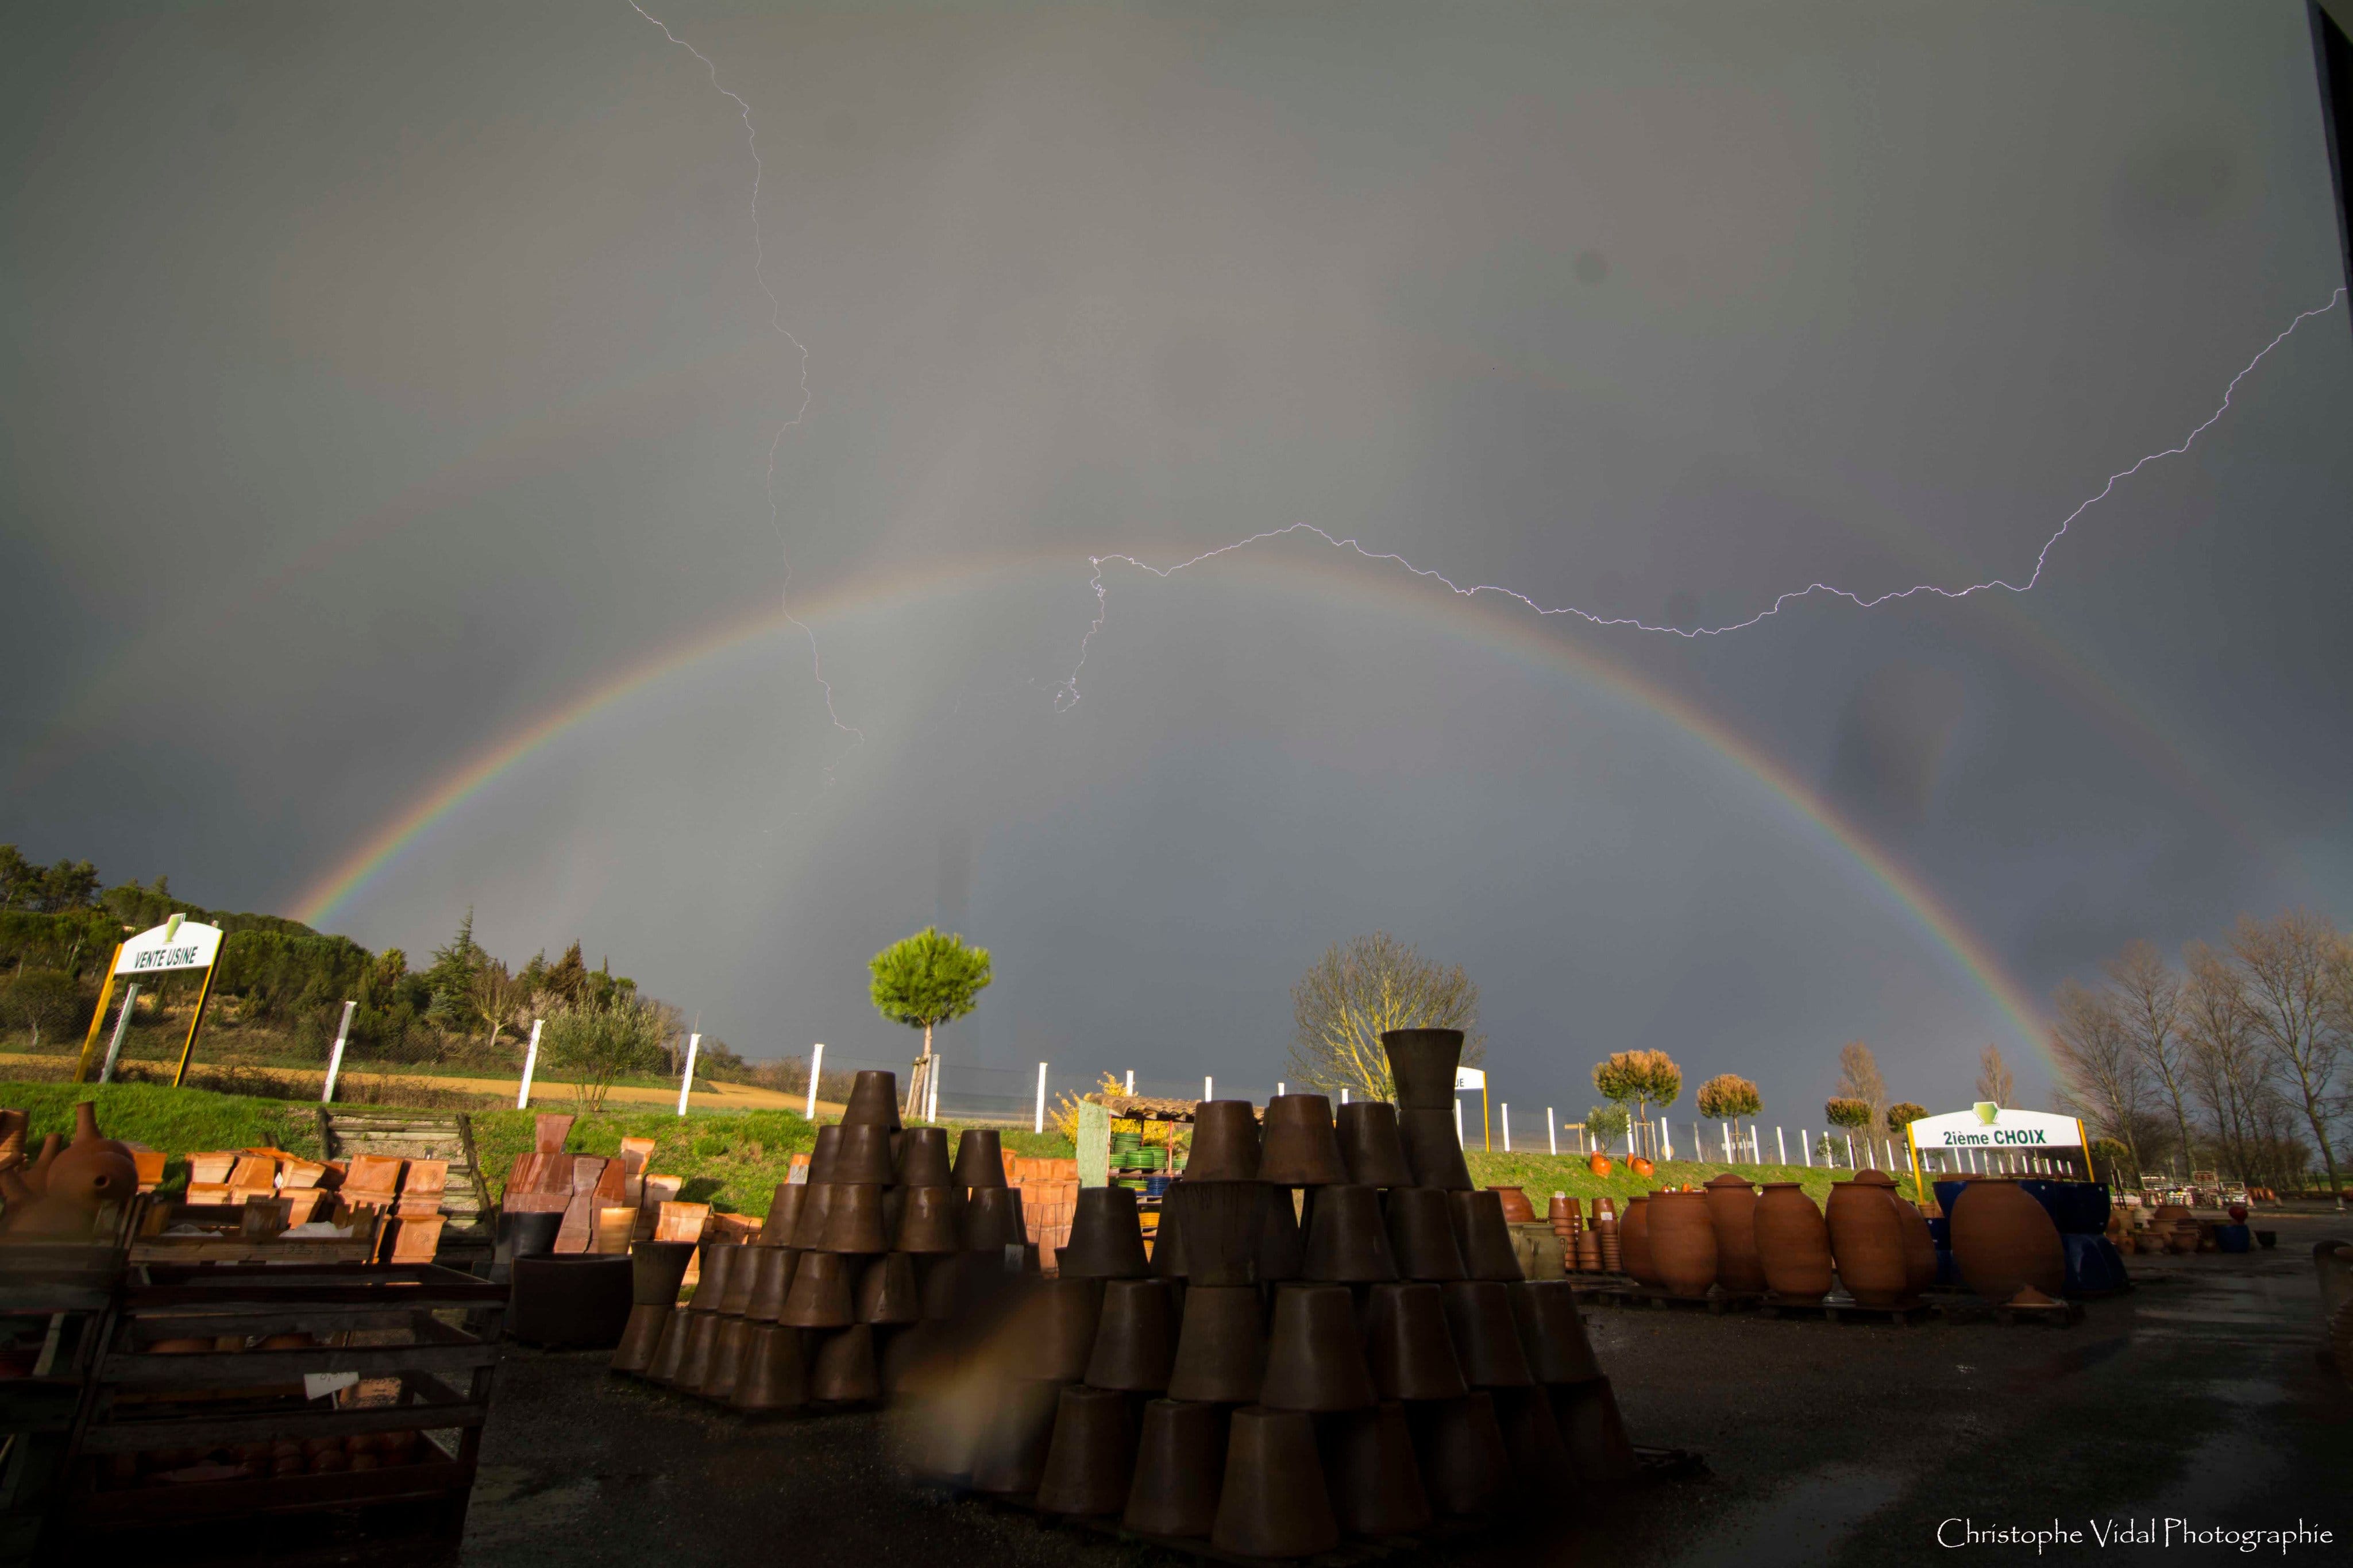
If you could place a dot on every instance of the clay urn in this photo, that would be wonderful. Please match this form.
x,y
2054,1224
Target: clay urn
x,y
1517,1210
1919,1243
1273,1502
1732,1209
1221,1349
1135,1338
1867,1243
1464,1465
1408,1346
923,1159
1551,1333
2004,1241
1642,1167
1315,1358
1598,1163
1421,1065
1370,1471
873,1102
1225,1141
1299,1148
1421,1235
1485,1240
979,1160
1486,1340
86,1130
929,1220
1369,1144
1346,1240
1432,1150
1106,1238
640,1339
1224,1226
842,1369
1180,1456
1634,1242
1793,1244
1093,1456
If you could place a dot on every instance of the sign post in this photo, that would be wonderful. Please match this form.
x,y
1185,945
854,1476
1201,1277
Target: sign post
x,y
817,1064
1967,1137
1469,1079
686,1079
97,1017
335,1062
121,1031
178,944
530,1064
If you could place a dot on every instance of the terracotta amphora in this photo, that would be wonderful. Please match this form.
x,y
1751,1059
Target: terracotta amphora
x,y
1867,1244
1517,1210
1683,1242
2004,1241
1634,1241
1732,1209
1793,1244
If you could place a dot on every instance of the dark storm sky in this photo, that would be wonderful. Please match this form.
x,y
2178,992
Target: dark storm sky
x,y
380,379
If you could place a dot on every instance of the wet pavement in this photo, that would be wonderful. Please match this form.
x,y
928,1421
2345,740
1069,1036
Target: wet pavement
x,y
2198,1396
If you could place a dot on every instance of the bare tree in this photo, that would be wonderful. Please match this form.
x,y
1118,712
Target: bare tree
x,y
2290,970
2100,1074
2227,1068
2146,993
1859,1080
1994,1079
1361,987
491,997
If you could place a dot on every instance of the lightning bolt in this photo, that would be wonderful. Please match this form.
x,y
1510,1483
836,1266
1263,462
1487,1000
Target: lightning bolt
x,y
776,324
1067,695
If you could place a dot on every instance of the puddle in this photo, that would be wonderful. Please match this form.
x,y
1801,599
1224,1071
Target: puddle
x,y
1801,1524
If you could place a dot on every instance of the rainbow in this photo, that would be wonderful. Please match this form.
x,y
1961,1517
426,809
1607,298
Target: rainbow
x,y
1518,638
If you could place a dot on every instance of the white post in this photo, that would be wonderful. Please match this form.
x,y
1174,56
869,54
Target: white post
x,y
1130,1080
1850,1151
1806,1146
817,1064
530,1066
1344,1094
1038,1125
1280,1089
123,1028
1552,1130
1507,1127
686,1079
931,1093
1458,1121
1781,1143
1726,1127
334,1058
1209,1086
1666,1138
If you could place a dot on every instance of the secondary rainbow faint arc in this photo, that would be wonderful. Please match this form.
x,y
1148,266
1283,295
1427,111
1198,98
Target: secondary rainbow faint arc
x,y
1493,631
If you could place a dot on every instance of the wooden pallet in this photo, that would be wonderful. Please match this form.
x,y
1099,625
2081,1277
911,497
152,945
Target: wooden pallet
x,y
411,1135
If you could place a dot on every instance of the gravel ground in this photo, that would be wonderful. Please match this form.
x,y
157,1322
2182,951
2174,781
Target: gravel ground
x,y
2198,1396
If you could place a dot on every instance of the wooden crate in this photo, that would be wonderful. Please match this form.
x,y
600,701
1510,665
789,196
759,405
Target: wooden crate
x,y
422,1339
56,1299
444,1136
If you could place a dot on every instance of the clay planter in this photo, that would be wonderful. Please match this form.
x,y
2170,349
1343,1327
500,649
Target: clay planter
x,y
829,1139
1371,1471
670,1354
1347,1241
863,1157
1551,1333
784,1214
1273,1503
1408,1348
1221,1351
1587,1417
1168,1253
1793,1244
2003,1241
855,1222
1135,1338
771,1279
1486,1340
1563,1214
817,1206
1315,1358
841,1369
531,1235
640,1338
1093,1456
657,1269
1634,1242
1421,1065
1642,1167
1225,1141
1421,1235
1541,1468
1431,1150
887,1292
1920,1246
1732,1210
1012,1452
719,1260
1224,1229
819,1295
736,1273
1486,1241
930,1219
1517,1210
1180,1456
1299,1148
873,1102
775,1373
943,1280
1370,1145
694,1365
1106,1240
923,1159
1464,1464
979,1160
1282,1249
1598,1163
729,1349
1867,1242
1058,1329
992,1219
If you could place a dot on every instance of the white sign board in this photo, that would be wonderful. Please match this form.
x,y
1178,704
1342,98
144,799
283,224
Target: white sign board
x,y
1468,1077
175,944
1990,1126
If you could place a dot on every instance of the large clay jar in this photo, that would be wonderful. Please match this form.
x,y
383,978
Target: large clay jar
x,y
1421,1065
1598,1163
1634,1241
1867,1243
2004,1241
1732,1209
1517,1210
1793,1245
1683,1242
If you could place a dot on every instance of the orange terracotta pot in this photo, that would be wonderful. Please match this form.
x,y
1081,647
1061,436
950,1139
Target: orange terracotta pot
x,y
1598,1164
1793,1244
1640,1167
2003,1241
1732,1209
1634,1241
1867,1244
1517,1210
1683,1242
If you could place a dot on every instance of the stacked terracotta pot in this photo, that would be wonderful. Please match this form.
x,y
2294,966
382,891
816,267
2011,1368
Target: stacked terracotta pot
x,y
828,1304
1332,1337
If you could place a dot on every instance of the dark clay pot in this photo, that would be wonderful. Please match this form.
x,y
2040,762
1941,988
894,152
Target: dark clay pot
x,y
579,1302
1369,1144
1421,1065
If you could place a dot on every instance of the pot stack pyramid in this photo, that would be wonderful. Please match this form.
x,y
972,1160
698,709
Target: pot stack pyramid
x,y
851,1279
1332,1337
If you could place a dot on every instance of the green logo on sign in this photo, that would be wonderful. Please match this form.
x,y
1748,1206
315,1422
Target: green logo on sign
x,y
1987,1111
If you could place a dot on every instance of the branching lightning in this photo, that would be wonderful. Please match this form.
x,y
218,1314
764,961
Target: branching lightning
x,y
777,324
1067,695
